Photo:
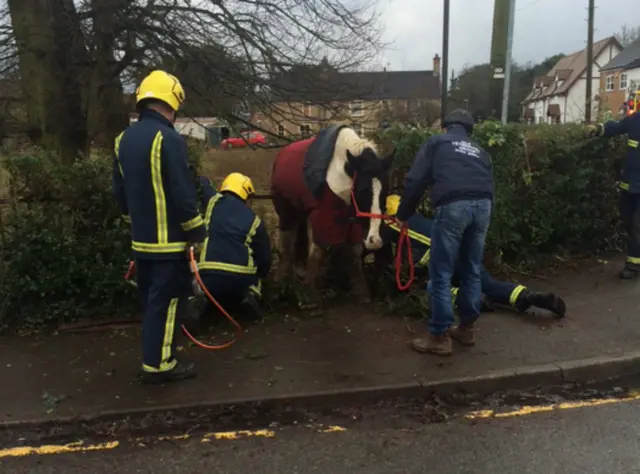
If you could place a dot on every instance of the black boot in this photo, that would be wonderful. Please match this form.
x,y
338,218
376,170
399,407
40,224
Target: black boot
x,y
548,301
627,274
179,372
250,307
192,318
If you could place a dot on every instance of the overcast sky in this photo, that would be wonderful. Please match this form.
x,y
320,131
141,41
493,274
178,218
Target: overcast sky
x,y
542,28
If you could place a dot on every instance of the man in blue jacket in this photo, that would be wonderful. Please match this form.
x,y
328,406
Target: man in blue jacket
x,y
460,175
499,292
629,186
155,190
236,254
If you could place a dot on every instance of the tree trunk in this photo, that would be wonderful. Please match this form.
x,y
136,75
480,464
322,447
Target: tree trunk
x,y
53,60
107,114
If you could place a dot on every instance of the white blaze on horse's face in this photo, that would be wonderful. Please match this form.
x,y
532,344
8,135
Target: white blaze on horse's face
x,y
373,240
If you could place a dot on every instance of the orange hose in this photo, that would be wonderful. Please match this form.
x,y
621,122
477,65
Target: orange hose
x,y
194,269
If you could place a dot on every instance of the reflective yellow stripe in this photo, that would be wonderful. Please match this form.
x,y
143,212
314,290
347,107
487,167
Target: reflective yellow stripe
x,y
193,223
162,227
515,293
623,186
227,267
257,289
454,295
207,218
165,368
117,153
126,218
424,261
634,260
167,362
249,238
158,248
414,235
633,143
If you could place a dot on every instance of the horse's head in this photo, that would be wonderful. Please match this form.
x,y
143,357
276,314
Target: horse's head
x,y
370,189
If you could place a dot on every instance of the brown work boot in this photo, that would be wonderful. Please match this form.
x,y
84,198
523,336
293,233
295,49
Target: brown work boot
x,y
464,334
432,344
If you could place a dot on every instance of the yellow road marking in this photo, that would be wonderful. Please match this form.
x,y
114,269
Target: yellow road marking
x,y
332,429
77,447
237,435
530,409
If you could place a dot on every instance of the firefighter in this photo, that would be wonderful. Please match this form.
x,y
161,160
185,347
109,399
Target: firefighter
x,y
499,292
629,185
155,190
236,254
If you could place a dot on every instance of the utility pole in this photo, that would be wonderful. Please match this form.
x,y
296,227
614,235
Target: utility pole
x,y
507,65
587,113
445,63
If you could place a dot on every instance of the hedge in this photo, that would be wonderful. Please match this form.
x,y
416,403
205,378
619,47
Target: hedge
x,y
64,250
555,190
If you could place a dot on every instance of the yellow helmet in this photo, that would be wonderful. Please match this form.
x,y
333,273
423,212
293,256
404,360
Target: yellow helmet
x,y
238,184
161,85
392,204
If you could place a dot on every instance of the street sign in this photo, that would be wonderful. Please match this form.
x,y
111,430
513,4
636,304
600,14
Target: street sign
x,y
498,73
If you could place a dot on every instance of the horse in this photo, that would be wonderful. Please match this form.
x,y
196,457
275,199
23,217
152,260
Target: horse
x,y
313,184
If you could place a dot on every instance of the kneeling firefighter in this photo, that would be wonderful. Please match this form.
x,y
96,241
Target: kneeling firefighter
x,y
498,292
236,254
155,191
629,185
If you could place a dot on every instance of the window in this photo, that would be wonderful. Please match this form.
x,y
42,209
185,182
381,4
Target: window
x,y
305,130
624,81
610,82
281,130
355,108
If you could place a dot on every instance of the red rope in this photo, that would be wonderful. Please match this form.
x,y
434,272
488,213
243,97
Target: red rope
x,y
403,239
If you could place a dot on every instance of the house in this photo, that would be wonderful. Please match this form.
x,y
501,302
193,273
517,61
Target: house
x,y
209,129
304,99
619,77
560,95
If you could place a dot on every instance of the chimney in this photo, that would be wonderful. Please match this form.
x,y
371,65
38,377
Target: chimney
x,y
436,65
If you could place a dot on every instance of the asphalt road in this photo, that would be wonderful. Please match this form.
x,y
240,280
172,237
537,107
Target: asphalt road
x,y
596,438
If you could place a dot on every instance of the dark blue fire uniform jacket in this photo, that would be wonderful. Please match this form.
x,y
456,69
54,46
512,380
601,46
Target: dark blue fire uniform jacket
x,y
155,190
629,184
237,251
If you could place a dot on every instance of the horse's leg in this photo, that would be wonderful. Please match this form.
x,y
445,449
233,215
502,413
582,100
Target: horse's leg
x,y
287,246
314,261
359,285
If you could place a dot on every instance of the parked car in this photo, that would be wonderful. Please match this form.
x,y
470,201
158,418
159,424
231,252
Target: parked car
x,y
252,138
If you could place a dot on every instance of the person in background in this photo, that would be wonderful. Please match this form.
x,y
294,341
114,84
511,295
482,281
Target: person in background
x,y
155,191
459,174
236,254
629,185
498,292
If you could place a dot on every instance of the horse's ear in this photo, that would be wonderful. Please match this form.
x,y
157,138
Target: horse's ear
x,y
387,161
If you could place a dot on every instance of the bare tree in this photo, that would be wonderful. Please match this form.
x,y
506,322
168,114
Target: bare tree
x,y
75,56
628,34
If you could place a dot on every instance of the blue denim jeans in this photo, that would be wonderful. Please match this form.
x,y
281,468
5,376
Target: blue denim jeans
x,y
457,243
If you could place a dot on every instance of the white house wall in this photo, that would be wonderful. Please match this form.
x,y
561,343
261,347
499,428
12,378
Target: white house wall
x,y
633,75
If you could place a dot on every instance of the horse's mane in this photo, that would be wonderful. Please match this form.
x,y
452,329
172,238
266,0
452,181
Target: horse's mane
x,y
356,144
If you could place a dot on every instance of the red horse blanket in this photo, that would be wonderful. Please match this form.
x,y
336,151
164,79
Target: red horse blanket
x,y
294,201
